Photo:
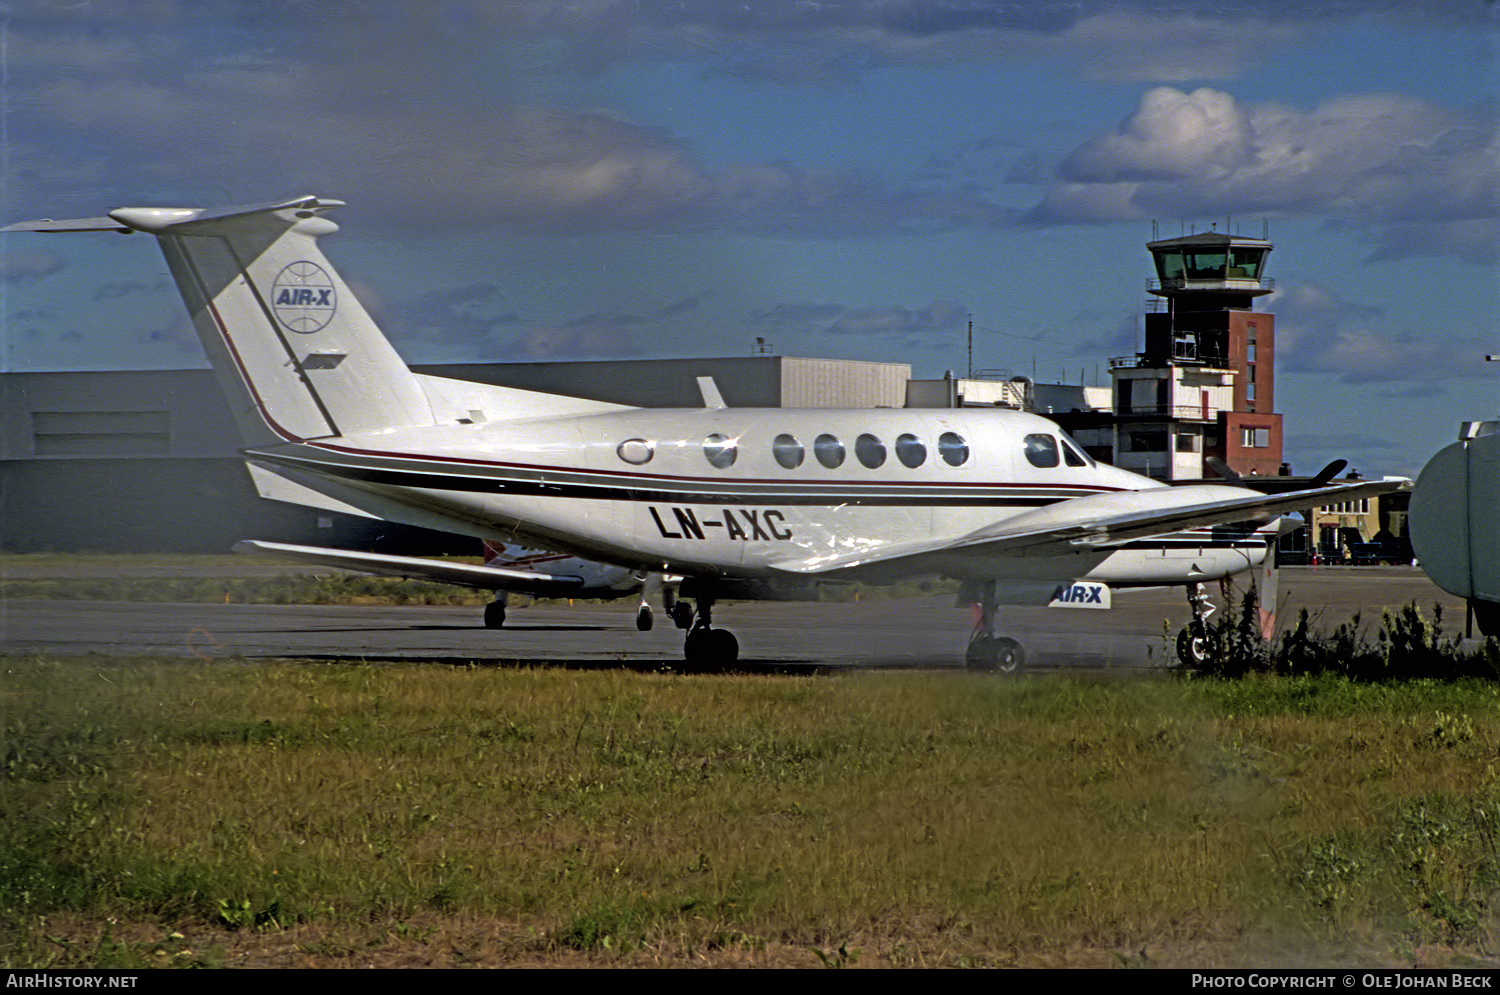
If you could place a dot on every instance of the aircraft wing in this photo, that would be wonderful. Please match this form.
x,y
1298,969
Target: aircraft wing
x,y
1101,522
461,574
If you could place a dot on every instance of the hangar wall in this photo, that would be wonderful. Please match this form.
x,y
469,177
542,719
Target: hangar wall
x,y
144,461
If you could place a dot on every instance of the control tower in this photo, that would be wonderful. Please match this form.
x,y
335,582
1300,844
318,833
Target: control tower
x,y
1205,383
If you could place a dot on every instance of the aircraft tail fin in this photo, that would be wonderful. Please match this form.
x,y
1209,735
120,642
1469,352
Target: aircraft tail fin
x,y
298,356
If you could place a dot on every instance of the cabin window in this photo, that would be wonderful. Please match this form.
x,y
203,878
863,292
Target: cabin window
x,y
953,449
870,451
910,451
636,451
1041,450
720,450
787,450
829,451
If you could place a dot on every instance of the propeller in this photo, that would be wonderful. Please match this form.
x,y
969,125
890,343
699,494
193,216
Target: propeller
x,y
1222,469
1327,473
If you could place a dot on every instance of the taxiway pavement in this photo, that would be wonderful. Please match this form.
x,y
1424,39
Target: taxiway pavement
x,y
914,632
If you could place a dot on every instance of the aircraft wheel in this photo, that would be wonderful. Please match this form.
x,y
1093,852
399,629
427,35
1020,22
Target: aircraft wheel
x,y
494,615
981,654
711,649
682,615
994,655
1009,656
643,619
1192,647
725,647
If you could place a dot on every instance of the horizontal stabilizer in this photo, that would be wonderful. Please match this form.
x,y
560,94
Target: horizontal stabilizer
x,y
440,571
76,224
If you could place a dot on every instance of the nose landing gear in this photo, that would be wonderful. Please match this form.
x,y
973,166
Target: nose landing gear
x,y
1192,641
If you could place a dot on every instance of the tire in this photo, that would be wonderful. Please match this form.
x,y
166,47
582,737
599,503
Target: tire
x,y
981,654
643,619
1009,656
725,647
1192,647
710,650
995,655
494,615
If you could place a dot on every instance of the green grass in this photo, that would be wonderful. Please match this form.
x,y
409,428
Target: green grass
x,y
892,818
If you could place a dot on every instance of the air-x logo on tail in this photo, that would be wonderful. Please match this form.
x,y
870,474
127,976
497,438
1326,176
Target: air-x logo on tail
x,y
303,297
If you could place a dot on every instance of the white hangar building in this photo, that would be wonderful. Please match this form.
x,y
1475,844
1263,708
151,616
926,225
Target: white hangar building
x,y
126,461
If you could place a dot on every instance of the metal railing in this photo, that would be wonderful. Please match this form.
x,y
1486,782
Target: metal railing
x,y
1181,412
1180,356
1215,282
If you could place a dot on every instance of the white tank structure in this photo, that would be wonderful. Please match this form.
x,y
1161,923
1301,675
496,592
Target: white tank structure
x,y
1455,521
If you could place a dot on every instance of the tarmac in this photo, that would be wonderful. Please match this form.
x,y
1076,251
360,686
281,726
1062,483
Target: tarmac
x,y
924,632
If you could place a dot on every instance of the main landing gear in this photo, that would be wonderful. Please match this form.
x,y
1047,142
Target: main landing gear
x,y
494,612
1192,641
706,648
988,652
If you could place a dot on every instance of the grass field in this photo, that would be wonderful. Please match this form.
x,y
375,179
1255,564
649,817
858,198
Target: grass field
x,y
281,815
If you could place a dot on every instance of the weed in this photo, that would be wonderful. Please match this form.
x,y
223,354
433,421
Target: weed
x,y
837,959
618,927
1405,646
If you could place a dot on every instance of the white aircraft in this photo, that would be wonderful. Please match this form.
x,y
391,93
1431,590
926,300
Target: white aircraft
x,y
506,570
742,503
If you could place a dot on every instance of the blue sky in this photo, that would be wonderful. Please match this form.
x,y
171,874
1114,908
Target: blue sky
x,y
540,180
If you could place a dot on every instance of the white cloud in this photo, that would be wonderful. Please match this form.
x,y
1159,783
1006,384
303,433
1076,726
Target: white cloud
x,y
1319,332
1415,178
1171,136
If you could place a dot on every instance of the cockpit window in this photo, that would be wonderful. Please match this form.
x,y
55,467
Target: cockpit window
x,y
720,450
870,450
1074,456
787,450
829,451
910,451
953,449
1041,450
